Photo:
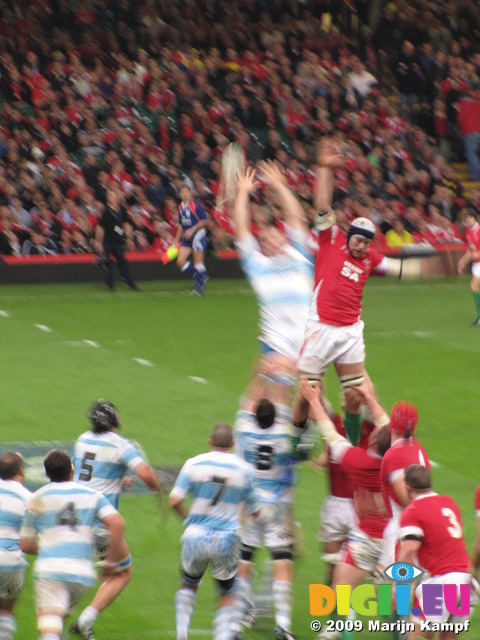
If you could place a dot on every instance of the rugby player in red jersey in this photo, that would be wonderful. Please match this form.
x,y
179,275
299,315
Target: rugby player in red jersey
x,y
432,538
337,516
472,236
360,553
403,452
334,331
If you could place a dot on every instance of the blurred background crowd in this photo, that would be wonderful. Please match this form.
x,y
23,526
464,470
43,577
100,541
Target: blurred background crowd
x,y
141,96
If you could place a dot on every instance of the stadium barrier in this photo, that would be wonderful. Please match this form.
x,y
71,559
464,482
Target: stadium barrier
x,y
423,261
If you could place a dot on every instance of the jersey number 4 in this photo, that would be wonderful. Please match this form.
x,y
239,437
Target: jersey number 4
x,y
68,516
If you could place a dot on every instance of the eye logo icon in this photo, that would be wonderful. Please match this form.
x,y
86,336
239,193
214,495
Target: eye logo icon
x,y
402,572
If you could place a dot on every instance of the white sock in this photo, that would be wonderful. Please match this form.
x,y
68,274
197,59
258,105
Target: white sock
x,y
87,618
7,626
241,604
222,623
184,604
282,600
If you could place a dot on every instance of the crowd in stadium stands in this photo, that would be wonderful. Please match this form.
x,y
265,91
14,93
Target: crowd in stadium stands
x,y
144,95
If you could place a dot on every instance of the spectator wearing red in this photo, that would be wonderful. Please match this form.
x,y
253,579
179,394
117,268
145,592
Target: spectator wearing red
x,y
468,119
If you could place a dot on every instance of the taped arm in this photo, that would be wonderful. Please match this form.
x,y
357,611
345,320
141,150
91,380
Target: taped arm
x,y
401,268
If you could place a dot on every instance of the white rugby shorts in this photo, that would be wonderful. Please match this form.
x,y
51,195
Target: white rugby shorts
x,y
273,529
361,550
57,594
448,578
337,518
326,344
390,539
11,583
210,547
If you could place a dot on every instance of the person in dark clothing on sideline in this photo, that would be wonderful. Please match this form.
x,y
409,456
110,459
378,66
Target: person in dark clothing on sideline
x,y
111,233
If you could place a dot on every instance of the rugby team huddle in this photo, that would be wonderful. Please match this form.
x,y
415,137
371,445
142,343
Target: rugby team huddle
x,y
381,510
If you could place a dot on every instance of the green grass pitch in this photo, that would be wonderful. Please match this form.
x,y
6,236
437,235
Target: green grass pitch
x,y
175,365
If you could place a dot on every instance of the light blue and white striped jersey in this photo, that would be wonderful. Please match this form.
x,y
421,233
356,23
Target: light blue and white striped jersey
x,y
268,453
13,502
220,484
101,460
60,517
283,285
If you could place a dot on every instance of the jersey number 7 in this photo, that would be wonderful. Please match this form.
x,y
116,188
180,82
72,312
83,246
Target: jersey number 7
x,y
220,486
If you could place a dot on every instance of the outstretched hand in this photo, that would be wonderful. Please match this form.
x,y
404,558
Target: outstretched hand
x,y
246,180
329,156
272,173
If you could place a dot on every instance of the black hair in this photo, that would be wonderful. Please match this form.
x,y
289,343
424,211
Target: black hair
x,y
265,413
58,465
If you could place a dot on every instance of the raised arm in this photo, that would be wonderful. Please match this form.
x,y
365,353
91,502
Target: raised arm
x,y
328,159
246,185
275,177
378,413
318,413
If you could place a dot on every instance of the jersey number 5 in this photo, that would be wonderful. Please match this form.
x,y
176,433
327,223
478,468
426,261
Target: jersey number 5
x,y
87,467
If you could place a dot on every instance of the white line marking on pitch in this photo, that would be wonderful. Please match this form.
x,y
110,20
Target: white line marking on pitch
x,y
82,343
145,363
91,343
43,327
423,334
435,465
200,380
4,314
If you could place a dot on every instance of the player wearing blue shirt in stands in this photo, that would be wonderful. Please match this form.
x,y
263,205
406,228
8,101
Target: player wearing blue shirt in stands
x,y
58,527
102,459
13,500
220,484
192,235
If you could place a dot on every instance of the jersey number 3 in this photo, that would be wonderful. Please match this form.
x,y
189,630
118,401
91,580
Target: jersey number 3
x,y
455,528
